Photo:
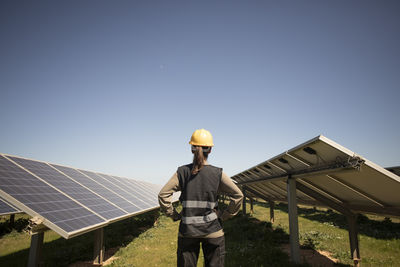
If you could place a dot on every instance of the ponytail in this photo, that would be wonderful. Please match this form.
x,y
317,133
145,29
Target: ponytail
x,y
198,159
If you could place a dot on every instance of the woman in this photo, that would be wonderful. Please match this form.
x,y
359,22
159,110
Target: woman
x,y
200,184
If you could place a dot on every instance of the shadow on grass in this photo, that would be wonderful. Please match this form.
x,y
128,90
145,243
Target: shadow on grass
x,y
18,225
385,229
251,242
63,252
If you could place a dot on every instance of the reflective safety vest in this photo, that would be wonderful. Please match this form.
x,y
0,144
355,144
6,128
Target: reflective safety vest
x,y
199,200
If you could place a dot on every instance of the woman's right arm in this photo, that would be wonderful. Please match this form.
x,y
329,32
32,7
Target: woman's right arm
x,y
165,197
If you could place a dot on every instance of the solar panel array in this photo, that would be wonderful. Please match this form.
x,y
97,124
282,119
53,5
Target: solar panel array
x,y
6,208
362,186
72,201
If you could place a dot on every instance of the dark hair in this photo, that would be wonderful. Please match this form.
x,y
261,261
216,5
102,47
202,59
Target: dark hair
x,y
198,158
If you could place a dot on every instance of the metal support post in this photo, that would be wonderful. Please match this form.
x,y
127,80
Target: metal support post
x,y
271,211
244,202
12,220
35,252
293,221
251,205
353,237
98,251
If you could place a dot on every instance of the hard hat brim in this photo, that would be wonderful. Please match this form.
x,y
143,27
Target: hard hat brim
x,y
198,144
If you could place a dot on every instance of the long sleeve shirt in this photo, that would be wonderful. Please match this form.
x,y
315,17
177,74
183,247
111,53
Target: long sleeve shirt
x,y
226,186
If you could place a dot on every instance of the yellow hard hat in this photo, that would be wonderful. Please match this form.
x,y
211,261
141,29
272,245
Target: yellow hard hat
x,y
201,137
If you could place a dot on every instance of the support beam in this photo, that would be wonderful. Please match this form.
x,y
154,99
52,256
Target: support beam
x,y
12,220
272,192
251,205
388,211
350,165
353,237
35,252
263,187
321,198
293,221
271,211
357,191
278,189
244,201
322,191
257,194
271,203
98,251
351,219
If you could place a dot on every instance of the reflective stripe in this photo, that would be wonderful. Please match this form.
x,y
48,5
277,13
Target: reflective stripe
x,y
198,204
200,219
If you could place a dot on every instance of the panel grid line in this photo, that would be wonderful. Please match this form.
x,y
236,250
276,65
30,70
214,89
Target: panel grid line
x,y
105,177
83,172
47,191
72,201
87,188
80,204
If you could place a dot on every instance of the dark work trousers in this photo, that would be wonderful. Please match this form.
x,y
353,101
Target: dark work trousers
x,y
213,250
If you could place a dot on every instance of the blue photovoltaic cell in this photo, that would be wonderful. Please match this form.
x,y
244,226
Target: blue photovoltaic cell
x,y
105,192
154,187
141,186
116,189
74,200
71,188
150,196
152,191
42,198
139,198
151,187
103,207
142,192
6,208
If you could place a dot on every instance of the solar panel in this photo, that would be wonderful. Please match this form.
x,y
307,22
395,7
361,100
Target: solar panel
x,y
134,204
141,189
100,189
101,198
332,171
6,208
71,188
36,197
71,201
138,194
150,187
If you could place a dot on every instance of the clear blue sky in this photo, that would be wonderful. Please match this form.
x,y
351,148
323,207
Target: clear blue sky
x,y
119,86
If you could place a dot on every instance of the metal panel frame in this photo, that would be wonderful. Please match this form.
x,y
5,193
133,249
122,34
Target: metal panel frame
x,y
21,206
16,210
303,173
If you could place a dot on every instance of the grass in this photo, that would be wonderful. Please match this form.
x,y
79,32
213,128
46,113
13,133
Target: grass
x,y
155,247
379,238
57,251
250,240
